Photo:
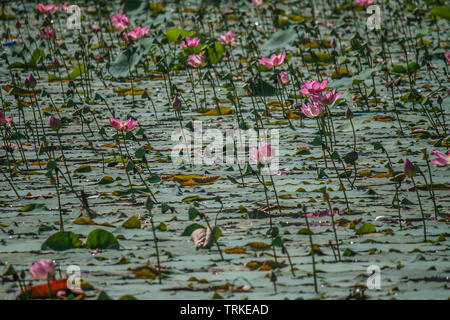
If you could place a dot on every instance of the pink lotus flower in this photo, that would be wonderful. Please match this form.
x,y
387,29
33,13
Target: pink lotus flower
x,y
122,125
314,87
328,98
313,110
227,38
257,3
442,158
273,61
363,3
447,55
95,27
120,21
136,33
43,8
42,269
47,33
3,119
190,42
196,60
283,78
263,154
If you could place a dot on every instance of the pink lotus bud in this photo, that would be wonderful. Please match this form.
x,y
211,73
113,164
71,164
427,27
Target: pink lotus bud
x,y
42,269
176,104
55,123
409,169
349,113
30,82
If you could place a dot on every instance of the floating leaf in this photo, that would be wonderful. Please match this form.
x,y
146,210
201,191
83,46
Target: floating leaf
x,y
132,223
101,239
62,240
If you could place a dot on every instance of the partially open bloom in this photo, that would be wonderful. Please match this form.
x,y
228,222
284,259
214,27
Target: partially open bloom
x,y
120,21
363,3
3,119
314,86
196,60
409,169
123,125
43,8
227,38
313,110
257,3
55,123
190,42
447,55
275,60
442,158
47,33
283,78
42,269
263,154
328,98
136,33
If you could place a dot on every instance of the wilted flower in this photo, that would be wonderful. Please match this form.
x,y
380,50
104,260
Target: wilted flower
x,y
283,78
447,55
18,24
64,6
136,33
196,60
227,38
409,169
274,60
45,9
3,119
176,103
120,21
122,125
47,33
55,123
42,269
328,98
314,87
30,81
313,110
442,158
324,213
263,154
190,42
